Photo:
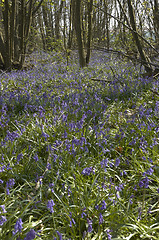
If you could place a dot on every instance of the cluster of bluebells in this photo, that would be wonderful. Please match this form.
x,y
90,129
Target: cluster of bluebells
x,y
50,205
79,126
18,226
3,218
9,184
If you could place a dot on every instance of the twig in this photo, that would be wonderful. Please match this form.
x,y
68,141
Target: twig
x,y
102,80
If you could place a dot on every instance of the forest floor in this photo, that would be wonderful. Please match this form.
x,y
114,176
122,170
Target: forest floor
x,y
79,156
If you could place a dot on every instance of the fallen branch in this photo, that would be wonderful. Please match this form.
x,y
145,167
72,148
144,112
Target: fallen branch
x,y
102,80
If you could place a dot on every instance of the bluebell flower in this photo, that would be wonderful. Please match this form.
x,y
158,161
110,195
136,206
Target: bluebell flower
x,y
117,162
104,163
139,213
3,209
59,234
101,220
50,205
36,158
71,220
18,226
144,183
89,225
109,236
83,213
9,184
131,198
19,157
30,235
1,181
87,171
3,219
104,205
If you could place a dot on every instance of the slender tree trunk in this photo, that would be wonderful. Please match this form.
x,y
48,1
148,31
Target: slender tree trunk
x,y
12,28
22,18
57,20
79,33
40,22
7,60
71,27
48,37
145,60
107,22
90,8
2,52
156,20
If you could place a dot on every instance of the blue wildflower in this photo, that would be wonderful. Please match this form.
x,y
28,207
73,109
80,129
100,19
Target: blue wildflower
x,y
30,235
109,236
71,220
101,220
103,205
83,213
3,208
50,205
117,162
18,226
89,225
3,219
59,234
87,171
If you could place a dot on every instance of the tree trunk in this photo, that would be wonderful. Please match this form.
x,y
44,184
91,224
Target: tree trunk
x,y
107,22
7,59
12,28
90,8
144,59
71,27
156,20
22,18
79,33
49,39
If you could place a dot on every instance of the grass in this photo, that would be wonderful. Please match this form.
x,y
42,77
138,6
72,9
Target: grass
x,y
79,159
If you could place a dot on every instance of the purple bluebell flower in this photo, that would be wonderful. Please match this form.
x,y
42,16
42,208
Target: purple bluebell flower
x,y
104,205
149,210
117,162
36,158
104,163
139,213
9,184
3,209
30,235
83,213
19,157
18,226
87,171
1,181
131,199
59,234
3,219
101,220
89,225
144,183
109,236
50,205
71,220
